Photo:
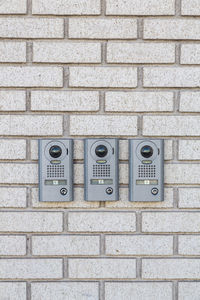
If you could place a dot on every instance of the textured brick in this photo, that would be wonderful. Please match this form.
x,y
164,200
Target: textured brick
x,y
103,125
12,245
12,149
13,290
189,150
18,173
189,197
64,101
93,28
61,7
12,51
13,7
103,77
140,7
65,52
170,222
189,245
190,54
170,268
12,197
65,245
107,222
31,76
172,77
31,28
102,268
189,102
190,8
182,173
172,29
139,101
30,268
140,53
31,221
65,290
139,245
32,125
136,290
12,101
171,125
188,290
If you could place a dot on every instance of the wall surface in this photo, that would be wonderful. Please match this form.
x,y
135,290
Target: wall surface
x,y
91,68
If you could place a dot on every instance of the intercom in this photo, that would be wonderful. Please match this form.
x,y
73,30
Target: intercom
x,y
146,167
101,170
55,170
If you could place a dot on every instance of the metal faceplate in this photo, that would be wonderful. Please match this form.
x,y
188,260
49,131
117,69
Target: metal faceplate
x,y
55,173
146,174
101,173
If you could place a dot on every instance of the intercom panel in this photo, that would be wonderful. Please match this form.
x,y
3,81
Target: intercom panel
x,y
55,170
101,170
146,167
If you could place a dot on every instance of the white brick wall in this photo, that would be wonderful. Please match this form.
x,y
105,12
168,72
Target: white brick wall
x,y
99,68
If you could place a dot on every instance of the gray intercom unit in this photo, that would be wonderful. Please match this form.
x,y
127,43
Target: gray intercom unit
x,y
55,170
101,170
146,167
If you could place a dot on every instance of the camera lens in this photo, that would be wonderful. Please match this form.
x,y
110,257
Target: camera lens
x,y
101,151
55,151
147,151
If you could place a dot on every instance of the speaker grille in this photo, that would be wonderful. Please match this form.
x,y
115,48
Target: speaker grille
x,y
147,171
55,171
101,170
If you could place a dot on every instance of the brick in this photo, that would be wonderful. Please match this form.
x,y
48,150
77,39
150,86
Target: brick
x,y
31,76
182,173
189,198
188,245
172,29
188,290
103,125
64,101
12,100
13,290
170,268
93,28
139,101
31,28
12,197
32,125
139,245
140,7
12,52
103,77
12,245
31,221
107,222
172,77
65,52
170,222
140,53
171,125
189,102
13,7
31,268
190,54
190,7
12,149
61,7
18,173
125,203
65,290
65,245
102,268
134,290
189,150
77,203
